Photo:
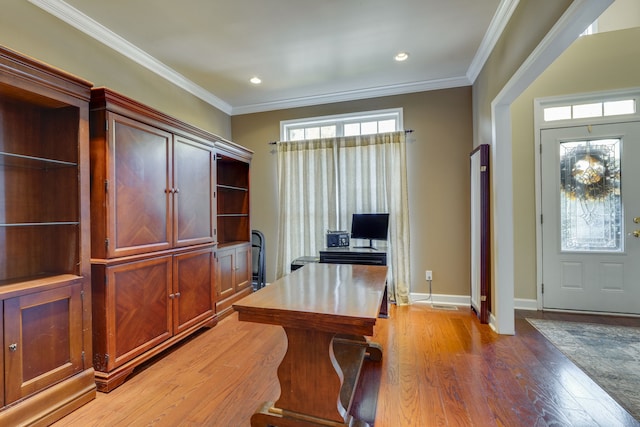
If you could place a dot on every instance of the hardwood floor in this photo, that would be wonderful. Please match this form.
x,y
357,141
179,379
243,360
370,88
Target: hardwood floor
x,y
440,367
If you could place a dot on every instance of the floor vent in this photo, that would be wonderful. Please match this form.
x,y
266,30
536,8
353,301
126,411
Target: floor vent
x,y
444,307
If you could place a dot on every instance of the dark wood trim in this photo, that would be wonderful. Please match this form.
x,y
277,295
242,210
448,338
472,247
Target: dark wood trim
x,y
485,232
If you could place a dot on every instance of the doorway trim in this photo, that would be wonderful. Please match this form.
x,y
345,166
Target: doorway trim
x,y
579,15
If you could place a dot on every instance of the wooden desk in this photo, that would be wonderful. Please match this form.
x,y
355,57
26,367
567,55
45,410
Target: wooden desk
x,y
365,256
326,311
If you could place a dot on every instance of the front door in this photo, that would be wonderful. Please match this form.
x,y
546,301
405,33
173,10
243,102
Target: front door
x,y
591,218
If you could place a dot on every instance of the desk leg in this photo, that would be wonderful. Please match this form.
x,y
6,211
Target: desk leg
x,y
384,305
311,381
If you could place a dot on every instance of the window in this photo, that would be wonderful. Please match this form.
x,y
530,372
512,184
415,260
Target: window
x,y
590,110
323,181
353,124
591,29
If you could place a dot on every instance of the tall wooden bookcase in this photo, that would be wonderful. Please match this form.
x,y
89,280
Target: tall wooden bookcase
x,y
233,226
45,294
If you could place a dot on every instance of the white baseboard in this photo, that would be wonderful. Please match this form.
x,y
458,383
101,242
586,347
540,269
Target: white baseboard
x,y
440,299
525,304
519,303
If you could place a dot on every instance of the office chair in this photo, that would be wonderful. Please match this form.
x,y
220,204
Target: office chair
x,y
258,260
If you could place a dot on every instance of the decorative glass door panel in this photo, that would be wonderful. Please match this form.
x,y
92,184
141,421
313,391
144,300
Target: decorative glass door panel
x,y
590,203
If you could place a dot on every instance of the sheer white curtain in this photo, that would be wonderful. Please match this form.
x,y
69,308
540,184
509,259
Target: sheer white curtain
x,y
322,182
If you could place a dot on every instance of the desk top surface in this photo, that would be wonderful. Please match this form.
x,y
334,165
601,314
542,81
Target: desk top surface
x,y
341,298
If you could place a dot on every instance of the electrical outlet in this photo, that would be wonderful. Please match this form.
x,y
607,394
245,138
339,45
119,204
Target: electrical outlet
x,y
429,275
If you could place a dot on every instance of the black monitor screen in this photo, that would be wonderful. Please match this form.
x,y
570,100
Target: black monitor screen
x,y
372,226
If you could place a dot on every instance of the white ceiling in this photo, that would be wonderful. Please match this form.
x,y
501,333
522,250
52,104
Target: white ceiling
x,y
305,51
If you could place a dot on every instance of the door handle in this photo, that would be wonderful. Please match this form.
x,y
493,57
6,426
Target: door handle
x,y
636,233
636,219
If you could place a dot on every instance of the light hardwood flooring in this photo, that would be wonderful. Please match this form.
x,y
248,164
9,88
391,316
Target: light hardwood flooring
x,y
440,368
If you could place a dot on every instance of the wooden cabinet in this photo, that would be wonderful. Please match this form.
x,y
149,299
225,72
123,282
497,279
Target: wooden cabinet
x,y
234,227
233,200
134,297
234,276
194,297
45,320
153,303
157,187
153,233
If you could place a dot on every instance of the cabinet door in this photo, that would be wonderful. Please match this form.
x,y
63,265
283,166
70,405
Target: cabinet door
x,y
225,273
43,340
243,267
2,341
193,291
138,308
193,171
139,188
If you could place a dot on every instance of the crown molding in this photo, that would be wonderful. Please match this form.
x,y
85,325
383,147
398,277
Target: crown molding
x,y
92,28
496,27
353,95
84,23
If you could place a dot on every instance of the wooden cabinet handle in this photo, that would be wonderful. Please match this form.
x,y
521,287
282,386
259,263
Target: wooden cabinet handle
x,y
13,347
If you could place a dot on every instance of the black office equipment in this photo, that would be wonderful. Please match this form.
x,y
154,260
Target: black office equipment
x,y
258,260
370,226
337,239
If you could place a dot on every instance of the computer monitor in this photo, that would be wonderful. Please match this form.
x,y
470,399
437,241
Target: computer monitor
x,y
370,226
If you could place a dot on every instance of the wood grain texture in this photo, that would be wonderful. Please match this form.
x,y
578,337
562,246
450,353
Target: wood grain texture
x,y
336,298
45,368
439,368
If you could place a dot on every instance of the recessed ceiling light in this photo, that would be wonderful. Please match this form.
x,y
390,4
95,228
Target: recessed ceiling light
x,y
255,80
402,56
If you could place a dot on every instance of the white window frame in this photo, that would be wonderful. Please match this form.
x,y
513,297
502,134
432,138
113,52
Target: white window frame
x,y
574,100
339,120
591,29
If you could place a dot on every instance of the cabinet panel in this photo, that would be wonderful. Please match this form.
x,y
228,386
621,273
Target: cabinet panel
x,y
234,276
194,298
141,192
226,273
43,337
193,182
137,308
243,267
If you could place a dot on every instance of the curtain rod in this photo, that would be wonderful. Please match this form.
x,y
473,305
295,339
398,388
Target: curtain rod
x,y
405,131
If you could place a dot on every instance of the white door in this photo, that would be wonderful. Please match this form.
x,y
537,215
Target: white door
x,y
590,218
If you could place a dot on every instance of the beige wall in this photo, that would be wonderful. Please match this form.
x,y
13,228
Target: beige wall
x,y
33,32
594,63
438,151
529,24
438,174
621,15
